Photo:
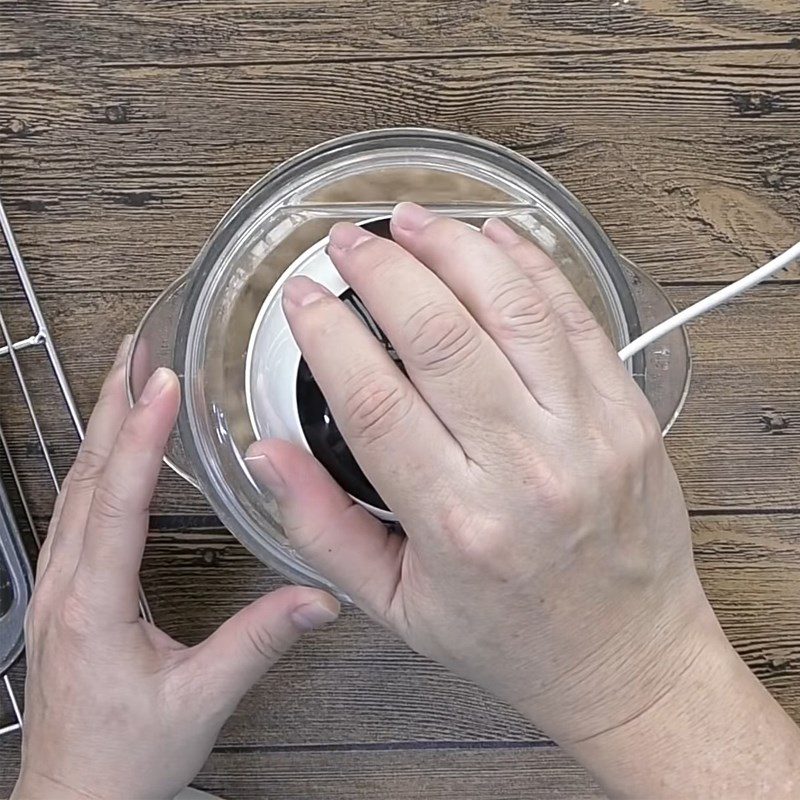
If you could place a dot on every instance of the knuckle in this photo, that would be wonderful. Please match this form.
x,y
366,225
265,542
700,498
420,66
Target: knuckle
x,y
554,494
375,405
622,453
575,316
533,259
108,504
441,338
484,543
632,423
321,320
89,463
377,253
452,518
264,643
520,311
114,378
478,539
453,234
617,465
643,435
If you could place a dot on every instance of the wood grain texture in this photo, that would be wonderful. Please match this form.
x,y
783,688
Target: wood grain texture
x,y
224,31
689,160
128,128
441,773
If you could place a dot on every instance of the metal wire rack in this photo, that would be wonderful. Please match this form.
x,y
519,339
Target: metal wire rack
x,y
10,348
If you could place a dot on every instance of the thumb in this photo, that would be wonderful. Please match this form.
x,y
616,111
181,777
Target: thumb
x,y
242,649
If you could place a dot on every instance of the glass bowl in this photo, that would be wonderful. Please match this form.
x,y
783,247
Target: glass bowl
x,y
204,326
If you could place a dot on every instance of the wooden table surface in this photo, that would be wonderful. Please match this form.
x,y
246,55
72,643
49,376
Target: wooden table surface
x,y
128,128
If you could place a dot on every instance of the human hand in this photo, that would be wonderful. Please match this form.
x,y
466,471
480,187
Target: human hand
x,y
543,518
548,552
115,708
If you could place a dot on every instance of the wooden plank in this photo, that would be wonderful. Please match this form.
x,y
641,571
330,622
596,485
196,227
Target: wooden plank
x,y
736,446
446,773
737,443
305,31
690,161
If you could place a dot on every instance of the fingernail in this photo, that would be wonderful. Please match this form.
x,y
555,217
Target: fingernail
x,y
122,352
411,217
302,291
313,615
264,469
155,385
499,232
346,236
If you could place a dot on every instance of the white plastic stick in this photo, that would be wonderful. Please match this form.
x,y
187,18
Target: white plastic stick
x,y
712,301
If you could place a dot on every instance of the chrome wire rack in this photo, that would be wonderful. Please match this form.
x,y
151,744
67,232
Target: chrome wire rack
x,y
11,348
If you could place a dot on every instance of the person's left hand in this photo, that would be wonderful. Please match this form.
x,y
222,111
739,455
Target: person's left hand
x,y
115,708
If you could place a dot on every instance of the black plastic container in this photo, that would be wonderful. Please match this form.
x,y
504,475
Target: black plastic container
x,y
16,582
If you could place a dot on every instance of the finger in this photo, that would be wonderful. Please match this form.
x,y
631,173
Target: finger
x,y
376,407
235,656
62,547
596,355
451,360
504,301
336,536
117,523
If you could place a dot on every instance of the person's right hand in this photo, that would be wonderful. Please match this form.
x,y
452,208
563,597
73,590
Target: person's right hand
x,y
545,525
548,552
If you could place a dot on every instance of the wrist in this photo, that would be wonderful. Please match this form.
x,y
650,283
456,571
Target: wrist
x,y
621,665
40,787
714,730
